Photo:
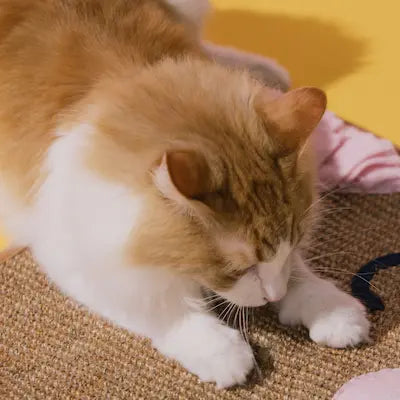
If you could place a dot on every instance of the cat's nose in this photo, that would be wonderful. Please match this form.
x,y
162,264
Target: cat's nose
x,y
275,293
274,297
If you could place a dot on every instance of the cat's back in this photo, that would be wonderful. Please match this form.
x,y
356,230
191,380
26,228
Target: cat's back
x,y
74,33
70,42
52,52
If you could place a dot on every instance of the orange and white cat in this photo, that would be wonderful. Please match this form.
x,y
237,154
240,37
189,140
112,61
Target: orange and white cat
x,y
140,170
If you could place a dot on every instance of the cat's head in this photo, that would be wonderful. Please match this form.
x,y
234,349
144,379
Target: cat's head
x,y
229,191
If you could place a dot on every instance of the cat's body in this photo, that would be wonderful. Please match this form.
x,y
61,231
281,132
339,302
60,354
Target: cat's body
x,y
139,171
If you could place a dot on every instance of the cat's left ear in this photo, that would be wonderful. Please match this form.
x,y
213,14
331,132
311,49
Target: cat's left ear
x,y
182,174
290,118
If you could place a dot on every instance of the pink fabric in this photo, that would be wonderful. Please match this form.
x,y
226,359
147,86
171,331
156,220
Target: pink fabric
x,y
381,385
353,159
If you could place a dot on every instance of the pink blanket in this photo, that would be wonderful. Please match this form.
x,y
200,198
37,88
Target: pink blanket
x,y
355,160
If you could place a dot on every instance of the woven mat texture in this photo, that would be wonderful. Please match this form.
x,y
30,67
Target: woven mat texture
x,y
51,348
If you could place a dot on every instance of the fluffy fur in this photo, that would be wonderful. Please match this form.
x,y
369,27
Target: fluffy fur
x,y
140,172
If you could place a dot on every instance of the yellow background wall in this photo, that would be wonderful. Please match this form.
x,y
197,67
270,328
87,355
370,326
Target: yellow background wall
x,y
350,48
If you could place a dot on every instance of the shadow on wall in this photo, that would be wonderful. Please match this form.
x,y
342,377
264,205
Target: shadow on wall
x,y
315,52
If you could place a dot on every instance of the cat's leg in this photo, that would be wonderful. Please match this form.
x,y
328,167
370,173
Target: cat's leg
x,y
262,68
333,317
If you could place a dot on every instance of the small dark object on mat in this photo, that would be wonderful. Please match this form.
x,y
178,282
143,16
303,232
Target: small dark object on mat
x,y
361,286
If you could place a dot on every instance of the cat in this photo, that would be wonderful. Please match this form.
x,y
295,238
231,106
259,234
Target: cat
x,y
141,171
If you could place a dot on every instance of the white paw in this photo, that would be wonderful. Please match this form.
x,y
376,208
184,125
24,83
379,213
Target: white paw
x,y
226,361
210,350
333,317
341,327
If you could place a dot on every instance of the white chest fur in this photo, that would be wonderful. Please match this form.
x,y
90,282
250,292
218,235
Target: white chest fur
x,y
78,229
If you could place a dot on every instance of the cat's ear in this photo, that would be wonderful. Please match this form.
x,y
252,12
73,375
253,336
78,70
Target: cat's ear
x,y
182,173
290,118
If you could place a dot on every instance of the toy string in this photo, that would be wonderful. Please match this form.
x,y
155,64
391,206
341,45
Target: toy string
x,y
361,288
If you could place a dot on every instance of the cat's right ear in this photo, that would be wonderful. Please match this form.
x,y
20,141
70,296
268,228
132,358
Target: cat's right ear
x,y
182,175
291,117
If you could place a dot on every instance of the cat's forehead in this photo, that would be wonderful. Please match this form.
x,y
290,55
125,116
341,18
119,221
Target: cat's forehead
x,y
268,210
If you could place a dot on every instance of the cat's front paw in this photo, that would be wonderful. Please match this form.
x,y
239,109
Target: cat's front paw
x,y
342,326
210,350
227,360
333,317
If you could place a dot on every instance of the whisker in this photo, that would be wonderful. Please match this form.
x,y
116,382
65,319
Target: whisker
x,y
236,314
210,301
255,362
329,211
230,313
245,331
327,255
226,311
321,198
240,321
201,300
213,296
218,305
349,273
221,315
200,303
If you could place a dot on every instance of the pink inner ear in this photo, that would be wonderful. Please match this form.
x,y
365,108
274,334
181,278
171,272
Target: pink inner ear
x,y
188,171
292,117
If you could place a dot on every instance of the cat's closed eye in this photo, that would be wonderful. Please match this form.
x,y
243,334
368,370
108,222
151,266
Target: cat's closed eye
x,y
219,201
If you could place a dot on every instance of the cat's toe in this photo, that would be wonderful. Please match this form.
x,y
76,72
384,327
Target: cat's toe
x,y
341,327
